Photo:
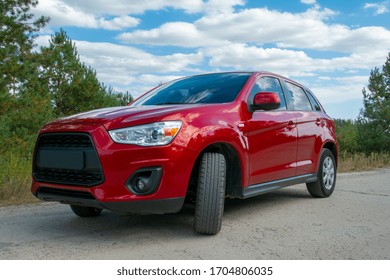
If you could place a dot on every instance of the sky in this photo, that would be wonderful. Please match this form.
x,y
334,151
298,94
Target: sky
x,y
329,46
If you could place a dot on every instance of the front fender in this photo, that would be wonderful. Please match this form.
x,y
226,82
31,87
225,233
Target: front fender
x,y
208,136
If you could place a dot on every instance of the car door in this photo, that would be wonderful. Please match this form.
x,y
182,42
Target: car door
x,y
272,137
309,125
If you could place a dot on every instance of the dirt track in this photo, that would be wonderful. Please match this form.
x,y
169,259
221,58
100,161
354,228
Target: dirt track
x,y
354,223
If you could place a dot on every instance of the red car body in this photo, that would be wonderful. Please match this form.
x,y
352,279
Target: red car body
x,y
264,150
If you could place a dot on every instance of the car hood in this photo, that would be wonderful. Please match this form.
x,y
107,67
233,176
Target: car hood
x,y
118,117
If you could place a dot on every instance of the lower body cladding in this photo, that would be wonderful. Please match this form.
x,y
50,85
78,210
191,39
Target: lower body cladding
x,y
160,206
88,169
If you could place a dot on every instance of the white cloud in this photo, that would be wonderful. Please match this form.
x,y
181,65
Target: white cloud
x,y
241,56
118,64
182,34
88,13
141,83
117,59
346,79
339,89
115,16
309,2
379,8
63,14
331,94
286,62
125,65
307,30
118,23
263,26
140,6
121,7
218,6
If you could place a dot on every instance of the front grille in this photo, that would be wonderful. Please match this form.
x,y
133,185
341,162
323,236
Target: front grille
x,y
71,177
66,141
54,163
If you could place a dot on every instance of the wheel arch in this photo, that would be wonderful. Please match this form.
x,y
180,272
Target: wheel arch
x,y
333,148
234,168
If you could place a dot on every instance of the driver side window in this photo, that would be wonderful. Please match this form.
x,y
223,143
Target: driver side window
x,y
270,84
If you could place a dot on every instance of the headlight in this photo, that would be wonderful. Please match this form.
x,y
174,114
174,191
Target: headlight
x,y
154,134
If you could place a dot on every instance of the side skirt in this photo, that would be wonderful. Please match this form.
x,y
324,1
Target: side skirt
x,y
262,188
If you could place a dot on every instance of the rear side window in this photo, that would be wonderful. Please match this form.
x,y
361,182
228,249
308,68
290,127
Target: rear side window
x,y
299,98
313,101
270,84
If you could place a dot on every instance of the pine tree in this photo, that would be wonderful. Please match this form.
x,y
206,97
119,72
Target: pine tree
x,y
16,43
73,85
374,119
24,105
125,98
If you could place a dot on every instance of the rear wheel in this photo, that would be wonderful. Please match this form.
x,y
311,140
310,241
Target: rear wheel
x,y
326,176
210,197
84,211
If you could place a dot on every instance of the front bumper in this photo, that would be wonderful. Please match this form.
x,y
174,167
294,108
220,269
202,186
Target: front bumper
x,y
156,206
119,163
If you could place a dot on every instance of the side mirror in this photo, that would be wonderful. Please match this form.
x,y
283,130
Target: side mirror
x,y
266,101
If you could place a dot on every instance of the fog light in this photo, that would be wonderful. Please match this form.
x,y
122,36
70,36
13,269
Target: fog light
x,y
140,185
145,180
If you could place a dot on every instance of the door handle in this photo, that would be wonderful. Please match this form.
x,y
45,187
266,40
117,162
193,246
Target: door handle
x,y
291,125
319,122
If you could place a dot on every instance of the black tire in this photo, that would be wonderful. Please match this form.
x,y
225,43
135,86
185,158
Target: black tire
x,y
326,176
84,211
210,195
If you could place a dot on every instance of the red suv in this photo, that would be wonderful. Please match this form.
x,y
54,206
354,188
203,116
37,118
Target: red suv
x,y
197,139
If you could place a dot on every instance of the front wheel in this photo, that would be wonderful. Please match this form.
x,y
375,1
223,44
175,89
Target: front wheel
x,y
84,211
210,196
326,176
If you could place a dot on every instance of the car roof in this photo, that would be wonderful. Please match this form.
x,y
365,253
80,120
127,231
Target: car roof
x,y
241,72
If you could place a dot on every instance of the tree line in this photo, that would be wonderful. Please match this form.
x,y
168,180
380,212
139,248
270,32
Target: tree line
x,y
39,84
370,131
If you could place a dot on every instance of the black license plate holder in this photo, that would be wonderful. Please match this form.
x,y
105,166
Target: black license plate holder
x,y
60,159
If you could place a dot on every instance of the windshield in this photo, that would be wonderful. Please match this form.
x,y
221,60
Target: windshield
x,y
210,88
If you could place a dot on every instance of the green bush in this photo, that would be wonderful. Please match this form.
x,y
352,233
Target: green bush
x,y
15,175
347,135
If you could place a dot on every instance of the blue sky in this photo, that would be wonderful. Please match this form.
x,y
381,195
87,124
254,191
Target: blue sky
x,y
329,46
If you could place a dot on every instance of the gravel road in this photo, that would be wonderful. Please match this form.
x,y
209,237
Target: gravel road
x,y
354,223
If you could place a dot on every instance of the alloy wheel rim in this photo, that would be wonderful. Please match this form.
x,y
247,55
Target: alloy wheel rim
x,y
328,173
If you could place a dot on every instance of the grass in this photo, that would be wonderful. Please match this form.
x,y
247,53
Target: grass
x,y
362,162
15,173
15,179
